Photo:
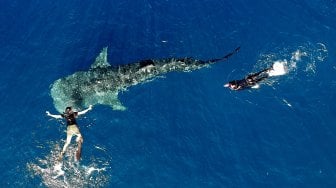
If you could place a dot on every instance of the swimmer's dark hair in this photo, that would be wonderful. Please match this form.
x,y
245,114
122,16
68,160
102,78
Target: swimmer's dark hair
x,y
68,108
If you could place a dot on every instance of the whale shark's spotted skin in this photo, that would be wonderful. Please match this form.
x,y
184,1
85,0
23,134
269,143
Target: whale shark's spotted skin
x,y
102,82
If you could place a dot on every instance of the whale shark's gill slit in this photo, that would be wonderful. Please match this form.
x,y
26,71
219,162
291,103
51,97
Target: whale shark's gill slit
x,y
102,82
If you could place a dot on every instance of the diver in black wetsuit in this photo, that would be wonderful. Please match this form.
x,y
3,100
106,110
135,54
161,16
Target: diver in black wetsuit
x,y
249,81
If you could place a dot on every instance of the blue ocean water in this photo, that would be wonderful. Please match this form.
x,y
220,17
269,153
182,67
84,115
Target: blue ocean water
x,y
186,129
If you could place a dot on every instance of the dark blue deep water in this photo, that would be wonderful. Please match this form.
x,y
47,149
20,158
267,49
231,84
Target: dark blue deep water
x,y
186,129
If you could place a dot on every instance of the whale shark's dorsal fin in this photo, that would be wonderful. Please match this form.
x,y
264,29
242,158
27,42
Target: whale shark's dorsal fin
x,y
101,60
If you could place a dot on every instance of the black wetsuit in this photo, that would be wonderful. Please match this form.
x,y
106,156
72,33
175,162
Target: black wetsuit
x,y
242,84
250,80
70,118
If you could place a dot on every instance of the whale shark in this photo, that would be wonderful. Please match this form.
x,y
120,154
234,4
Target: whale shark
x,y
103,81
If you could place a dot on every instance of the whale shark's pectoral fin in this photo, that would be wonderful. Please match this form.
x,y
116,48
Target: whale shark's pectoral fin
x,y
106,98
101,60
116,104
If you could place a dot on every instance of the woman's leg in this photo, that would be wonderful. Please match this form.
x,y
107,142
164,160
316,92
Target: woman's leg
x,y
79,140
68,140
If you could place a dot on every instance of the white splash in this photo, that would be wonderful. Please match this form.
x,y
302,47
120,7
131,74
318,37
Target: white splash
x,y
69,173
304,59
58,170
278,68
297,55
89,170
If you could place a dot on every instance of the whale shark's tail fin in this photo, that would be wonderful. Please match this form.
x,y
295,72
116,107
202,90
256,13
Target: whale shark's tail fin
x,y
227,56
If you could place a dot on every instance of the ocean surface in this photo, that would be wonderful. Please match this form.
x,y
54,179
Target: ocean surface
x,y
182,129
